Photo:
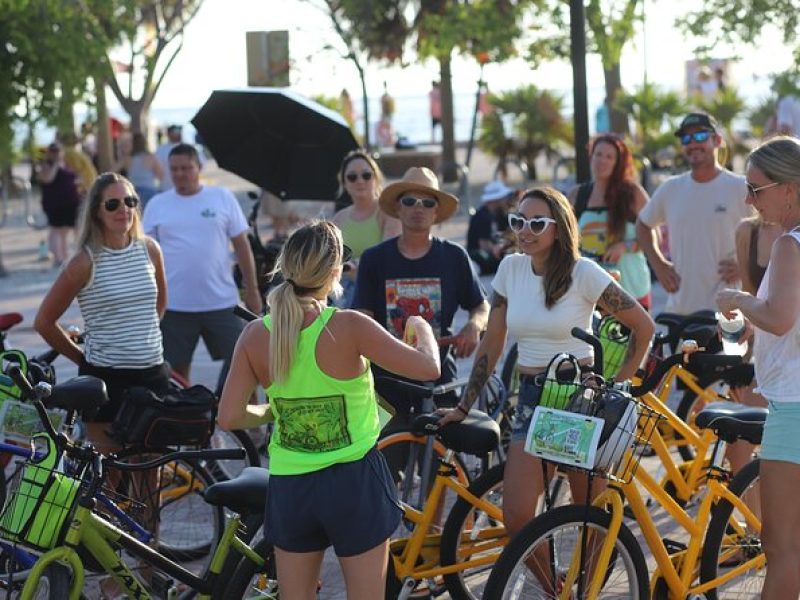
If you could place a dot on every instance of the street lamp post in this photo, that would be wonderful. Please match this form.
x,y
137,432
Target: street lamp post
x,y
577,26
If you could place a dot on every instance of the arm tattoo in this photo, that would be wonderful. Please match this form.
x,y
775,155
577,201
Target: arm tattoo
x,y
499,301
615,299
477,379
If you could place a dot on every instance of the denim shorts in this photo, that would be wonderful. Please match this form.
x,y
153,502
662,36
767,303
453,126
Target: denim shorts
x,y
352,506
529,394
781,440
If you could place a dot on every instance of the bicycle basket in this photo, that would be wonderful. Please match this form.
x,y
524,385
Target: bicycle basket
x,y
40,498
615,339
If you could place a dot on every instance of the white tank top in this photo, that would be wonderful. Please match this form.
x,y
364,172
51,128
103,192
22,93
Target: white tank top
x,y
777,358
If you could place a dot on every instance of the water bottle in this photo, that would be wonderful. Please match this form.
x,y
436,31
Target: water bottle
x,y
730,330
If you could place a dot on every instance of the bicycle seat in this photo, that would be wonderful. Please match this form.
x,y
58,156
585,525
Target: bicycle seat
x,y
244,494
731,421
477,434
82,393
8,320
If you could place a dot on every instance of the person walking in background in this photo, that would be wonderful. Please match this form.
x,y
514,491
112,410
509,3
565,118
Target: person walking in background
x,y
387,104
363,224
195,225
143,169
702,209
435,103
332,488
602,118
606,209
61,198
174,137
773,184
484,244
419,274
347,107
117,275
539,296
77,161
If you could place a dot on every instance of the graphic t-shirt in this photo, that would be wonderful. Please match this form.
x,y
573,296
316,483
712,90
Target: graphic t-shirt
x,y
434,286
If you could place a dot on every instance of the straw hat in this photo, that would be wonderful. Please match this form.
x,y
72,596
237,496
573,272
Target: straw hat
x,y
418,179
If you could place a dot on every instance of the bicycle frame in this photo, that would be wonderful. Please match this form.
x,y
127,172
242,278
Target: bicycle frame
x,y
405,552
97,535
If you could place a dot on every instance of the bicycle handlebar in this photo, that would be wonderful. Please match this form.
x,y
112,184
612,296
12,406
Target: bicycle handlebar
x,y
188,455
244,313
594,342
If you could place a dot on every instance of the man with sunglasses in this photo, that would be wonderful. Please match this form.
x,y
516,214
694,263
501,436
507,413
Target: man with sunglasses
x,y
701,209
420,274
196,225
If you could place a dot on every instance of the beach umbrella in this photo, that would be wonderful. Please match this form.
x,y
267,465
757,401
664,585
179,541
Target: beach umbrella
x,y
277,139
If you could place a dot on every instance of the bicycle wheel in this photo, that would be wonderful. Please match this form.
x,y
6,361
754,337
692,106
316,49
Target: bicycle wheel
x,y
188,527
548,544
470,533
250,580
223,470
730,541
52,585
404,451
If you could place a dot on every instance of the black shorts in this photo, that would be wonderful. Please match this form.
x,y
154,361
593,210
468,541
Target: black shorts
x,y
118,380
352,506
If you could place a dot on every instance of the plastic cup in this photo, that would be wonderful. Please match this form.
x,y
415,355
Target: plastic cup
x,y
730,331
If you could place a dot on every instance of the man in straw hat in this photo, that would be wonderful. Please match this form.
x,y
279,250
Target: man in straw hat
x,y
420,274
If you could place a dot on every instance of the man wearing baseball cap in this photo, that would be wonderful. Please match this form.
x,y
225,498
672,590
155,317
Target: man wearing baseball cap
x,y
417,273
484,244
701,209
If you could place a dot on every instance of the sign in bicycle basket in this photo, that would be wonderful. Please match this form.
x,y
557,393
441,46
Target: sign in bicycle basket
x,y
39,498
564,437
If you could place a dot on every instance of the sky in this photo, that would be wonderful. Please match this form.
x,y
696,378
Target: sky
x,y
213,57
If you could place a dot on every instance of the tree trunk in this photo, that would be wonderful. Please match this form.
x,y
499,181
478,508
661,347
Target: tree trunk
x,y
619,119
448,125
364,103
105,153
139,113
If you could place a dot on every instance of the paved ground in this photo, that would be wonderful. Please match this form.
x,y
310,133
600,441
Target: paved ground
x,y
29,278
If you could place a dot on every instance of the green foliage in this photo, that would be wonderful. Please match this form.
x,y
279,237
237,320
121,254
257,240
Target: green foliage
x,y
725,106
525,121
737,21
612,26
656,113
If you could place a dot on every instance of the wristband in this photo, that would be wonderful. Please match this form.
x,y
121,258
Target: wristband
x,y
463,410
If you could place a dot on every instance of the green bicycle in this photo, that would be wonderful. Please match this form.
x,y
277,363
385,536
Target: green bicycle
x,y
50,509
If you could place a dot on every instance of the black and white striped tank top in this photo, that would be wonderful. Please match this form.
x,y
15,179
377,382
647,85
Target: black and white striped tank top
x,y
119,310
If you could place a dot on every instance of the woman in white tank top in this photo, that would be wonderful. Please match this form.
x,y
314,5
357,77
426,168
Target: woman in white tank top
x,y
773,183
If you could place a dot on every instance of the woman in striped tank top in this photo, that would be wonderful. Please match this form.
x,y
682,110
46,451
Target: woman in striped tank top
x,y
117,276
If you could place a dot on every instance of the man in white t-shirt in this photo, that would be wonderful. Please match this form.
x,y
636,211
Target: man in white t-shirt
x,y
701,209
788,115
195,225
174,137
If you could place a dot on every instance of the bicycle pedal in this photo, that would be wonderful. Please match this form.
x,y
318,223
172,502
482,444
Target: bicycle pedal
x,y
673,547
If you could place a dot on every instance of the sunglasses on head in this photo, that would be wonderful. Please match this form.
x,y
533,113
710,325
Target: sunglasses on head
x,y
753,191
113,204
410,201
697,136
352,177
537,225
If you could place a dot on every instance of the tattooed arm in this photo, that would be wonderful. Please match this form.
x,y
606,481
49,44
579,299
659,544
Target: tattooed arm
x,y
489,350
630,313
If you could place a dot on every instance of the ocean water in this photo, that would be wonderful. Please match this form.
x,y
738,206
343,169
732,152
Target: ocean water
x,y
411,118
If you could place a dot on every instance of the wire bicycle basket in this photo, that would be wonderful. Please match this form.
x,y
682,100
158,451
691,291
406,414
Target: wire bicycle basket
x,y
40,498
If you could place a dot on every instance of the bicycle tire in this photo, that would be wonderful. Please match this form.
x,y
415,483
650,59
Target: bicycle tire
x,y
718,529
242,580
223,470
487,487
541,529
189,528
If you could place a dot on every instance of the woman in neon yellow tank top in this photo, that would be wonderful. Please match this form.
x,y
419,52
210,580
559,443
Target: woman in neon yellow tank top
x,y
363,224
328,483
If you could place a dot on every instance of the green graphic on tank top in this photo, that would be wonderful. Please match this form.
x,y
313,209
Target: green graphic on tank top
x,y
313,424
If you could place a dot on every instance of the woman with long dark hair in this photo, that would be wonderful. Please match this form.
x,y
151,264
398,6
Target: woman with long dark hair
x,y
606,209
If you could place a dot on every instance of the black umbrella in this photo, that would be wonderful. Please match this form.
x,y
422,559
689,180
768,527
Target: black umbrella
x,y
276,139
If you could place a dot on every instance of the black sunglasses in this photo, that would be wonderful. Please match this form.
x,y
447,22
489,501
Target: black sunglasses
x,y
410,201
697,136
365,175
113,204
